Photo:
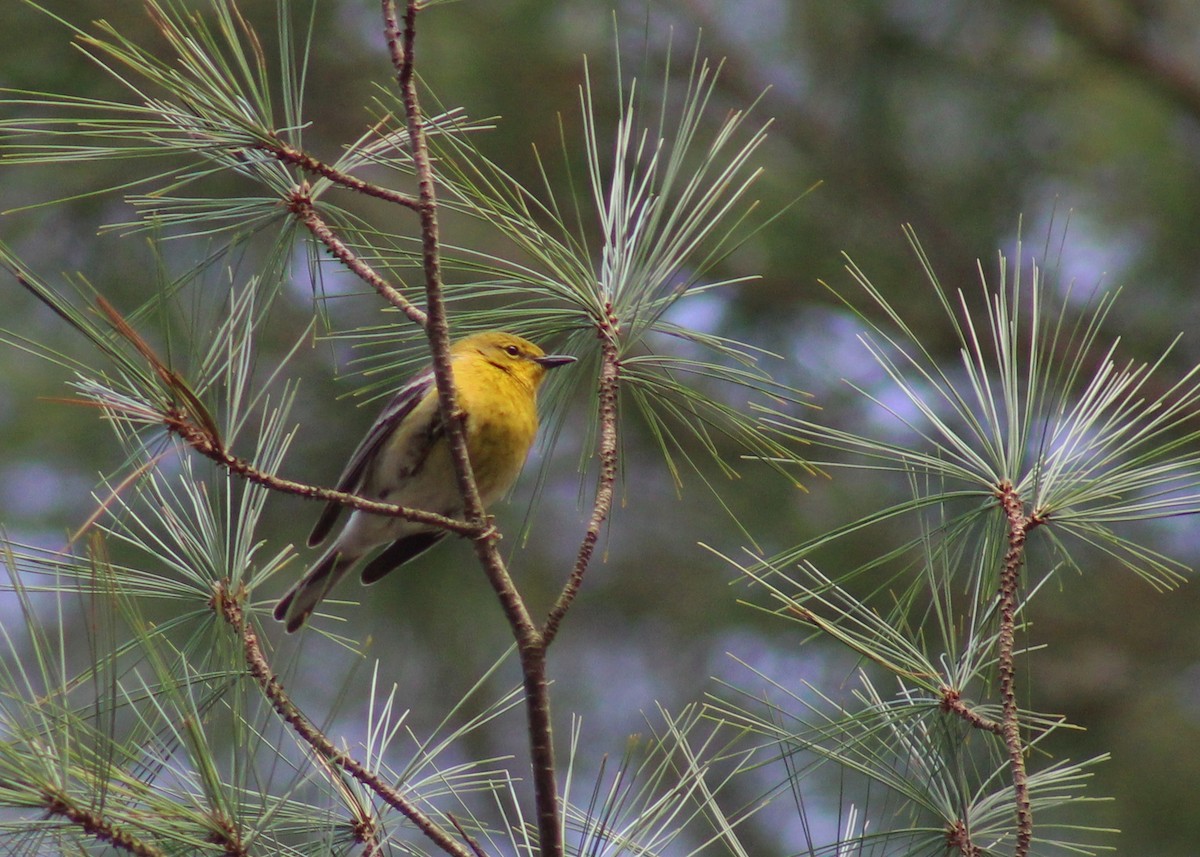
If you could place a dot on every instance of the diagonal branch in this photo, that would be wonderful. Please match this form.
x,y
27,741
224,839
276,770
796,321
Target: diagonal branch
x,y
297,157
58,803
610,372
211,447
301,204
952,703
192,423
228,605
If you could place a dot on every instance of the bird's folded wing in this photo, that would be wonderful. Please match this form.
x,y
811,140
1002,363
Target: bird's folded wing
x,y
401,405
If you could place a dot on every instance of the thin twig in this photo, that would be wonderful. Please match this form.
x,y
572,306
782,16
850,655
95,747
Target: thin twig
x,y
952,703
468,838
57,803
297,157
229,606
212,448
1010,579
192,423
610,371
300,203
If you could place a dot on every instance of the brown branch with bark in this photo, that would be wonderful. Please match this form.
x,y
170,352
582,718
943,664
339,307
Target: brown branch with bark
x,y
59,804
531,645
187,418
301,205
958,834
437,326
210,447
287,154
401,43
532,642
952,703
610,373
1008,727
228,605
1019,525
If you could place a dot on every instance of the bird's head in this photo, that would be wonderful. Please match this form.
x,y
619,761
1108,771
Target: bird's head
x,y
511,354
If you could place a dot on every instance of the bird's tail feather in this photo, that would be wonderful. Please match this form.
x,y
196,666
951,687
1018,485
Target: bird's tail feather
x,y
399,552
299,602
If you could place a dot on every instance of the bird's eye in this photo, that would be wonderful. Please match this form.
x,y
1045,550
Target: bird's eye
x,y
512,350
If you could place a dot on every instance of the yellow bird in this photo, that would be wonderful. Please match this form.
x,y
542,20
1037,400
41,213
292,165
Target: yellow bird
x,y
405,460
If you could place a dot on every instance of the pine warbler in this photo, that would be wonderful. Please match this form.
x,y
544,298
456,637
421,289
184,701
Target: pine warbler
x,y
405,459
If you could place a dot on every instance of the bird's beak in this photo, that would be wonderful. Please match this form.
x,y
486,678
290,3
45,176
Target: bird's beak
x,y
549,361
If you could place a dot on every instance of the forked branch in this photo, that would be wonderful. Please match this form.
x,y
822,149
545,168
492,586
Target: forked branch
x,y
301,204
281,151
401,39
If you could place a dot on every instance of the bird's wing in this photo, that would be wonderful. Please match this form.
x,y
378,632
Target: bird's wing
x,y
402,404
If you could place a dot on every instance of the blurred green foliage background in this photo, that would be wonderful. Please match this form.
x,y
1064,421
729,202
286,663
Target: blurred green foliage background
x,y
959,117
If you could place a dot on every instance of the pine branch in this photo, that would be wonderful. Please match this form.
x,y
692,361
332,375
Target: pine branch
x,y
952,704
437,327
301,205
1010,727
192,423
291,155
57,803
609,382
530,642
533,659
228,606
200,440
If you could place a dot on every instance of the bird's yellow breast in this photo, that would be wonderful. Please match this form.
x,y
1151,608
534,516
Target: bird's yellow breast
x,y
501,409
